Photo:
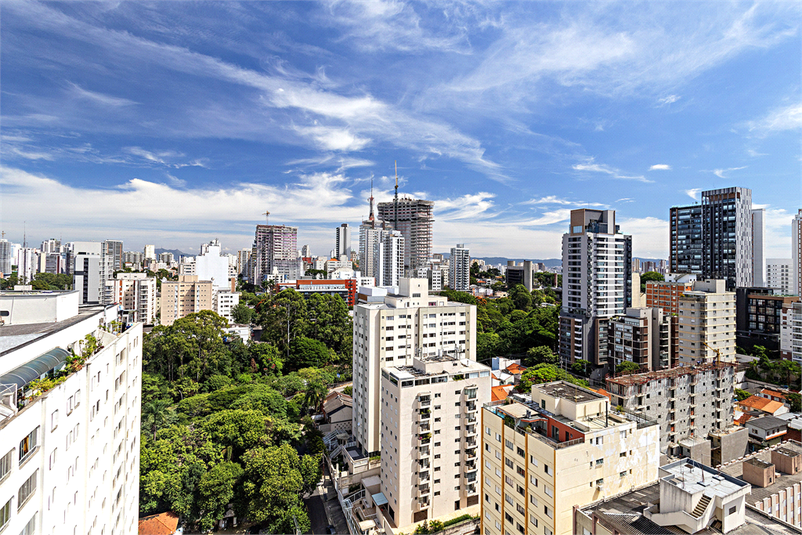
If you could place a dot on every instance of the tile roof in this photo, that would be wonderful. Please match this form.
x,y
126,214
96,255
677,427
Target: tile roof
x,y
774,393
760,404
500,392
515,369
161,524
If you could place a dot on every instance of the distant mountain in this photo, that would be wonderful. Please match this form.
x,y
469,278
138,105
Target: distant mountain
x,y
176,253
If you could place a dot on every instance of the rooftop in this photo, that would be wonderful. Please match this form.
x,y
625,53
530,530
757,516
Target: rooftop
x,y
14,336
625,513
693,477
569,391
766,423
671,373
782,480
761,404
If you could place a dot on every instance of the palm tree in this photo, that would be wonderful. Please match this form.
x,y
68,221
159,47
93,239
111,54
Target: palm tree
x,y
315,392
156,414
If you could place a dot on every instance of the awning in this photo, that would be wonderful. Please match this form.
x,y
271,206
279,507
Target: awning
x,y
34,369
379,499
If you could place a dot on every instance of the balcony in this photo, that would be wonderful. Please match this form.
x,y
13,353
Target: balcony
x,y
424,401
469,454
472,488
471,406
471,430
424,452
471,466
470,442
424,426
423,502
424,490
425,415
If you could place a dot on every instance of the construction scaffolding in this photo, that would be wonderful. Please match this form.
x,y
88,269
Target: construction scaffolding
x,y
672,373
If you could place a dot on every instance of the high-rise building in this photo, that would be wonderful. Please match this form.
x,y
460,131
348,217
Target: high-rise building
x,y
780,275
642,336
306,251
211,266
113,249
27,264
414,219
342,242
185,296
560,448
149,252
392,332
796,251
459,270
706,324
166,258
519,274
430,438
758,247
276,253
243,263
686,401
133,259
51,246
224,302
716,239
597,280
6,257
390,256
91,268
136,294
67,449
759,317
791,332
665,294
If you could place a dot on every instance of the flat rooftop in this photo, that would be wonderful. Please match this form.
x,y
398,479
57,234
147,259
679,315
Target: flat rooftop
x,y
14,336
625,513
565,390
782,480
693,478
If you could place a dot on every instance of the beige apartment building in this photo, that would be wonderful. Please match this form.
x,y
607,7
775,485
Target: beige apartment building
x,y
392,329
136,294
430,456
560,448
185,296
706,314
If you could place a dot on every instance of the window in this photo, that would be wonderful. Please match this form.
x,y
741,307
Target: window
x,y
52,459
547,469
54,420
30,527
732,510
5,465
26,490
5,514
548,511
28,444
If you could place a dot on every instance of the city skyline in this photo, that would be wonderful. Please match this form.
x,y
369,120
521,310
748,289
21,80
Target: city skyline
x,y
175,123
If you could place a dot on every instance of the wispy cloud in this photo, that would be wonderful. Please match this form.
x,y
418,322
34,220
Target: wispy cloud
x,y
593,167
99,98
778,120
670,99
660,167
722,173
693,193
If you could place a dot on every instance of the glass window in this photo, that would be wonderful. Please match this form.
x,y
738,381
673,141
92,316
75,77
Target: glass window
x,y
28,444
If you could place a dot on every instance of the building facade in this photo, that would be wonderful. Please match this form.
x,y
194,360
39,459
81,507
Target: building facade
x,y
796,251
706,323
642,336
136,294
390,256
459,268
780,275
392,330
597,279
342,242
430,438
665,294
276,253
185,296
519,274
686,401
560,448
791,332
70,457
414,219
716,239
759,317
6,257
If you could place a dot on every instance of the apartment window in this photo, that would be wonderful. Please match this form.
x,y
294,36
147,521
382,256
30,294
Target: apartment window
x,y
533,520
546,469
52,459
5,514
28,445
5,465
508,443
26,490
548,511
30,527
54,420
732,510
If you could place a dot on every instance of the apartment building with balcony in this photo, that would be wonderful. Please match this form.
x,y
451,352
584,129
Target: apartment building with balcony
x,y
687,402
392,329
642,336
69,454
665,294
560,448
185,296
430,455
136,294
759,317
706,324
791,332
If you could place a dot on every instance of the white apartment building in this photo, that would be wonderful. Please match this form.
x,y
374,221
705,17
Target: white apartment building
x,y
392,331
561,448
136,294
224,303
390,256
780,275
69,461
791,332
210,265
91,268
597,273
459,268
796,252
430,456
5,257
706,314
150,252
342,242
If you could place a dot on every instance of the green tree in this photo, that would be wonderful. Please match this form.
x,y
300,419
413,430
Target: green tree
x,y
581,367
283,318
627,367
329,322
157,414
741,395
307,352
216,491
545,373
795,400
650,276
242,314
521,297
264,358
540,355
239,429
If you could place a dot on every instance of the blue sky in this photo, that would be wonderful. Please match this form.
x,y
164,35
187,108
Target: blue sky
x,y
173,122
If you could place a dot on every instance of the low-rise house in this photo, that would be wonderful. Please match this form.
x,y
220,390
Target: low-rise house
x,y
766,431
756,406
337,412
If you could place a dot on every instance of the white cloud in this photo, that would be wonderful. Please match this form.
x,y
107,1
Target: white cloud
x,y
649,236
778,120
721,173
660,167
670,99
693,193
99,98
606,169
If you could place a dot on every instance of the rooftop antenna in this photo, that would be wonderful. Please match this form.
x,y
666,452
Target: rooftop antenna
x,y
267,215
24,235
395,201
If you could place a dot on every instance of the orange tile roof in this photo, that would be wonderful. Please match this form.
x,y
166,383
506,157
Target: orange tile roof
x,y
161,524
601,391
499,392
741,420
515,369
773,393
760,404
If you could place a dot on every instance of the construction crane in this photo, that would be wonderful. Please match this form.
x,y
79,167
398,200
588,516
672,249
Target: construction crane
x,y
716,351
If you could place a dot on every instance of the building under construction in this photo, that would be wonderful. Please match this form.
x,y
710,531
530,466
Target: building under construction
x,y
689,402
414,218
